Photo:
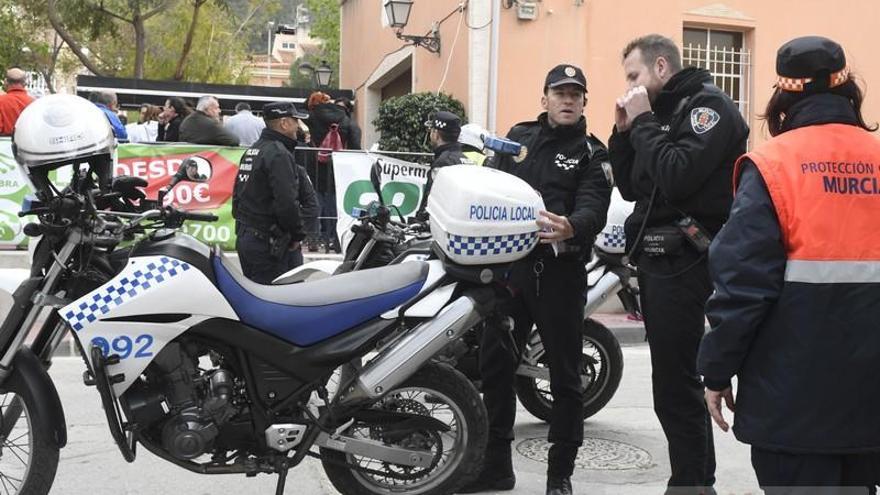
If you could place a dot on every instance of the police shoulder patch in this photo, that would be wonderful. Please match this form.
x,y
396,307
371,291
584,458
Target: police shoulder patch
x,y
703,119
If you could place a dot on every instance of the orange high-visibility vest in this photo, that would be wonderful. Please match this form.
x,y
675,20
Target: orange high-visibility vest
x,y
824,181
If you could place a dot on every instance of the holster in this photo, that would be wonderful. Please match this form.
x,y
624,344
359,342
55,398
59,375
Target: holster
x,y
279,242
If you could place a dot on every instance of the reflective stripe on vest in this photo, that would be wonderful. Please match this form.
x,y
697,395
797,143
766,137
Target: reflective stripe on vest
x,y
824,182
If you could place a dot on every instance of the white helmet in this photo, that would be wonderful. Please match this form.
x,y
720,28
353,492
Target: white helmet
x,y
612,239
472,135
61,130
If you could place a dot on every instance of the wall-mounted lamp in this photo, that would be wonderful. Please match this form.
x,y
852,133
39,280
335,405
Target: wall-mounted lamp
x,y
397,12
321,75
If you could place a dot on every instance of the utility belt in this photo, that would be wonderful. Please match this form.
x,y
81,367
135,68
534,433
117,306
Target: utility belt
x,y
672,240
278,240
563,250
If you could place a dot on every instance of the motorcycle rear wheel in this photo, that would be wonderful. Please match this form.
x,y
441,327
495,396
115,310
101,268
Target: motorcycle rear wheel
x,y
601,371
436,390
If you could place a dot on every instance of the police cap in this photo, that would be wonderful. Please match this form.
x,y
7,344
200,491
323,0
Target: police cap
x,y
279,109
565,74
444,121
810,64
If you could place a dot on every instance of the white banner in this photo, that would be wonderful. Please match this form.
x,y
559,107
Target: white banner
x,y
13,188
402,185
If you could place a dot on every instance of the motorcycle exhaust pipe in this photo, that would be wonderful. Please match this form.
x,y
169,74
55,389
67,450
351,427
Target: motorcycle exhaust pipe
x,y
400,360
608,285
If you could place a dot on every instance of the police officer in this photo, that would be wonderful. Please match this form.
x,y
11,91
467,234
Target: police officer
x,y
565,165
265,202
676,138
797,276
443,131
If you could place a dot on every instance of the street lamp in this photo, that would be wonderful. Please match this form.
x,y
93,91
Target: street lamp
x,y
323,74
320,76
268,48
397,12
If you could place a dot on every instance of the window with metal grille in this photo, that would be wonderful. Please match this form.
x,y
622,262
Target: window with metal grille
x,y
721,53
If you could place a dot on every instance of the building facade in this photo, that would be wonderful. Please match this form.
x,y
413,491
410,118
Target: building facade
x,y
289,44
495,53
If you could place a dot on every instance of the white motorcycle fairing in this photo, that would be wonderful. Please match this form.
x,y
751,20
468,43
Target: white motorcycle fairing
x,y
430,305
112,316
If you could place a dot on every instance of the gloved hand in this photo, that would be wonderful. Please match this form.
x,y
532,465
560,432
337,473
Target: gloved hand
x,y
127,186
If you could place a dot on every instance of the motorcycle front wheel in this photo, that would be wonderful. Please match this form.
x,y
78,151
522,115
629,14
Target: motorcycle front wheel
x,y
443,393
28,456
601,370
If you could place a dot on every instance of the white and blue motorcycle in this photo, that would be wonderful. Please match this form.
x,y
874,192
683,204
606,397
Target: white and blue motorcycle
x,y
219,375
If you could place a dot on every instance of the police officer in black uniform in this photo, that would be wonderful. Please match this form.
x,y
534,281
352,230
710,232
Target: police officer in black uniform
x,y
676,139
565,165
265,202
444,129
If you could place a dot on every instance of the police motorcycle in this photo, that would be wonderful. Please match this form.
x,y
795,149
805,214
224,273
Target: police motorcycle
x,y
378,240
219,375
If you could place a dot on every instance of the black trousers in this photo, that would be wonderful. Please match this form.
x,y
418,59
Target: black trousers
x,y
782,473
256,262
673,304
555,302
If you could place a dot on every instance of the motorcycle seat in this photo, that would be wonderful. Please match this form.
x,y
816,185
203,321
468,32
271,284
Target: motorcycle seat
x,y
310,312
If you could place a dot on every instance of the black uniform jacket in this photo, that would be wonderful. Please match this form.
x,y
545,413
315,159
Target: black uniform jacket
x,y
687,148
267,185
450,154
565,165
806,355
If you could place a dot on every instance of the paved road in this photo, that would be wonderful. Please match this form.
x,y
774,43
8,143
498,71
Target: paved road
x,y
624,439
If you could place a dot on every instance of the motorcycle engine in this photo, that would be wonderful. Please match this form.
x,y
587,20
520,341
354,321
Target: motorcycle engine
x,y
182,403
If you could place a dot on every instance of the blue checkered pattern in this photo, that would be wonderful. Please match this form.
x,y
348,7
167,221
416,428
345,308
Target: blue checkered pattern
x,y
113,295
498,244
615,240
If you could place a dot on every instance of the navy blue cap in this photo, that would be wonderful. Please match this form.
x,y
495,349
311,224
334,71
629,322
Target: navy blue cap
x,y
444,121
565,74
279,109
810,64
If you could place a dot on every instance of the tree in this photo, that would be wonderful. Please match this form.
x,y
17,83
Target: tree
x,y
402,119
325,27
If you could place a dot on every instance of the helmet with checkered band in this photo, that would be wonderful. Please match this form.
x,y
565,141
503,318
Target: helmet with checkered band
x,y
59,130
612,238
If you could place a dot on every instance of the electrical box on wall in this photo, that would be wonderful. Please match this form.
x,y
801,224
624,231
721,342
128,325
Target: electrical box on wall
x,y
526,11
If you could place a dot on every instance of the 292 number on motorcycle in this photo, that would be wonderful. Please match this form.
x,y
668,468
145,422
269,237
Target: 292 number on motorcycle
x,y
125,346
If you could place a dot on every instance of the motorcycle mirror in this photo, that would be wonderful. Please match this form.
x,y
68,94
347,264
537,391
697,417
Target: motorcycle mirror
x,y
195,169
375,179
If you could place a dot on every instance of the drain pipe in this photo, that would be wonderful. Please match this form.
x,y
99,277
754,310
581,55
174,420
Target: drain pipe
x,y
492,123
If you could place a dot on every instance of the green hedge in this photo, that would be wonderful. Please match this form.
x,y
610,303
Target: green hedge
x,y
401,120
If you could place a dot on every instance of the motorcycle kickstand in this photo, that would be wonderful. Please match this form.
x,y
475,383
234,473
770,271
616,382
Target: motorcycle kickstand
x,y
282,478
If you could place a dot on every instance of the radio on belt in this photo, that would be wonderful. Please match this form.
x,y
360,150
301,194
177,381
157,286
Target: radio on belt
x,y
482,216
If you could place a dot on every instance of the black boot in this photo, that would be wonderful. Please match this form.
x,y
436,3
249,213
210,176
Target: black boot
x,y
497,472
558,485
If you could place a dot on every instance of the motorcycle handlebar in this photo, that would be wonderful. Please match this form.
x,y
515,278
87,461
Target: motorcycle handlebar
x,y
200,217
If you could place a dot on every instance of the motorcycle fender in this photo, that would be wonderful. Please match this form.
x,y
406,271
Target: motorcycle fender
x,y
314,270
399,420
30,377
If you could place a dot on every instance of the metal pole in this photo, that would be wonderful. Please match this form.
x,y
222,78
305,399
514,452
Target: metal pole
x,y
268,48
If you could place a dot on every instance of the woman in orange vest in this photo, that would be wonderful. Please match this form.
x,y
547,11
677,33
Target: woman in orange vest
x,y
796,271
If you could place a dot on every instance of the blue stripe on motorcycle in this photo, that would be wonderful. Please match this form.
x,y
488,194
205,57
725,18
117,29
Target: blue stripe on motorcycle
x,y
307,325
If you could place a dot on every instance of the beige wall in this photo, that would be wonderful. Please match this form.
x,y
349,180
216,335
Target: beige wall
x,y
593,34
366,43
